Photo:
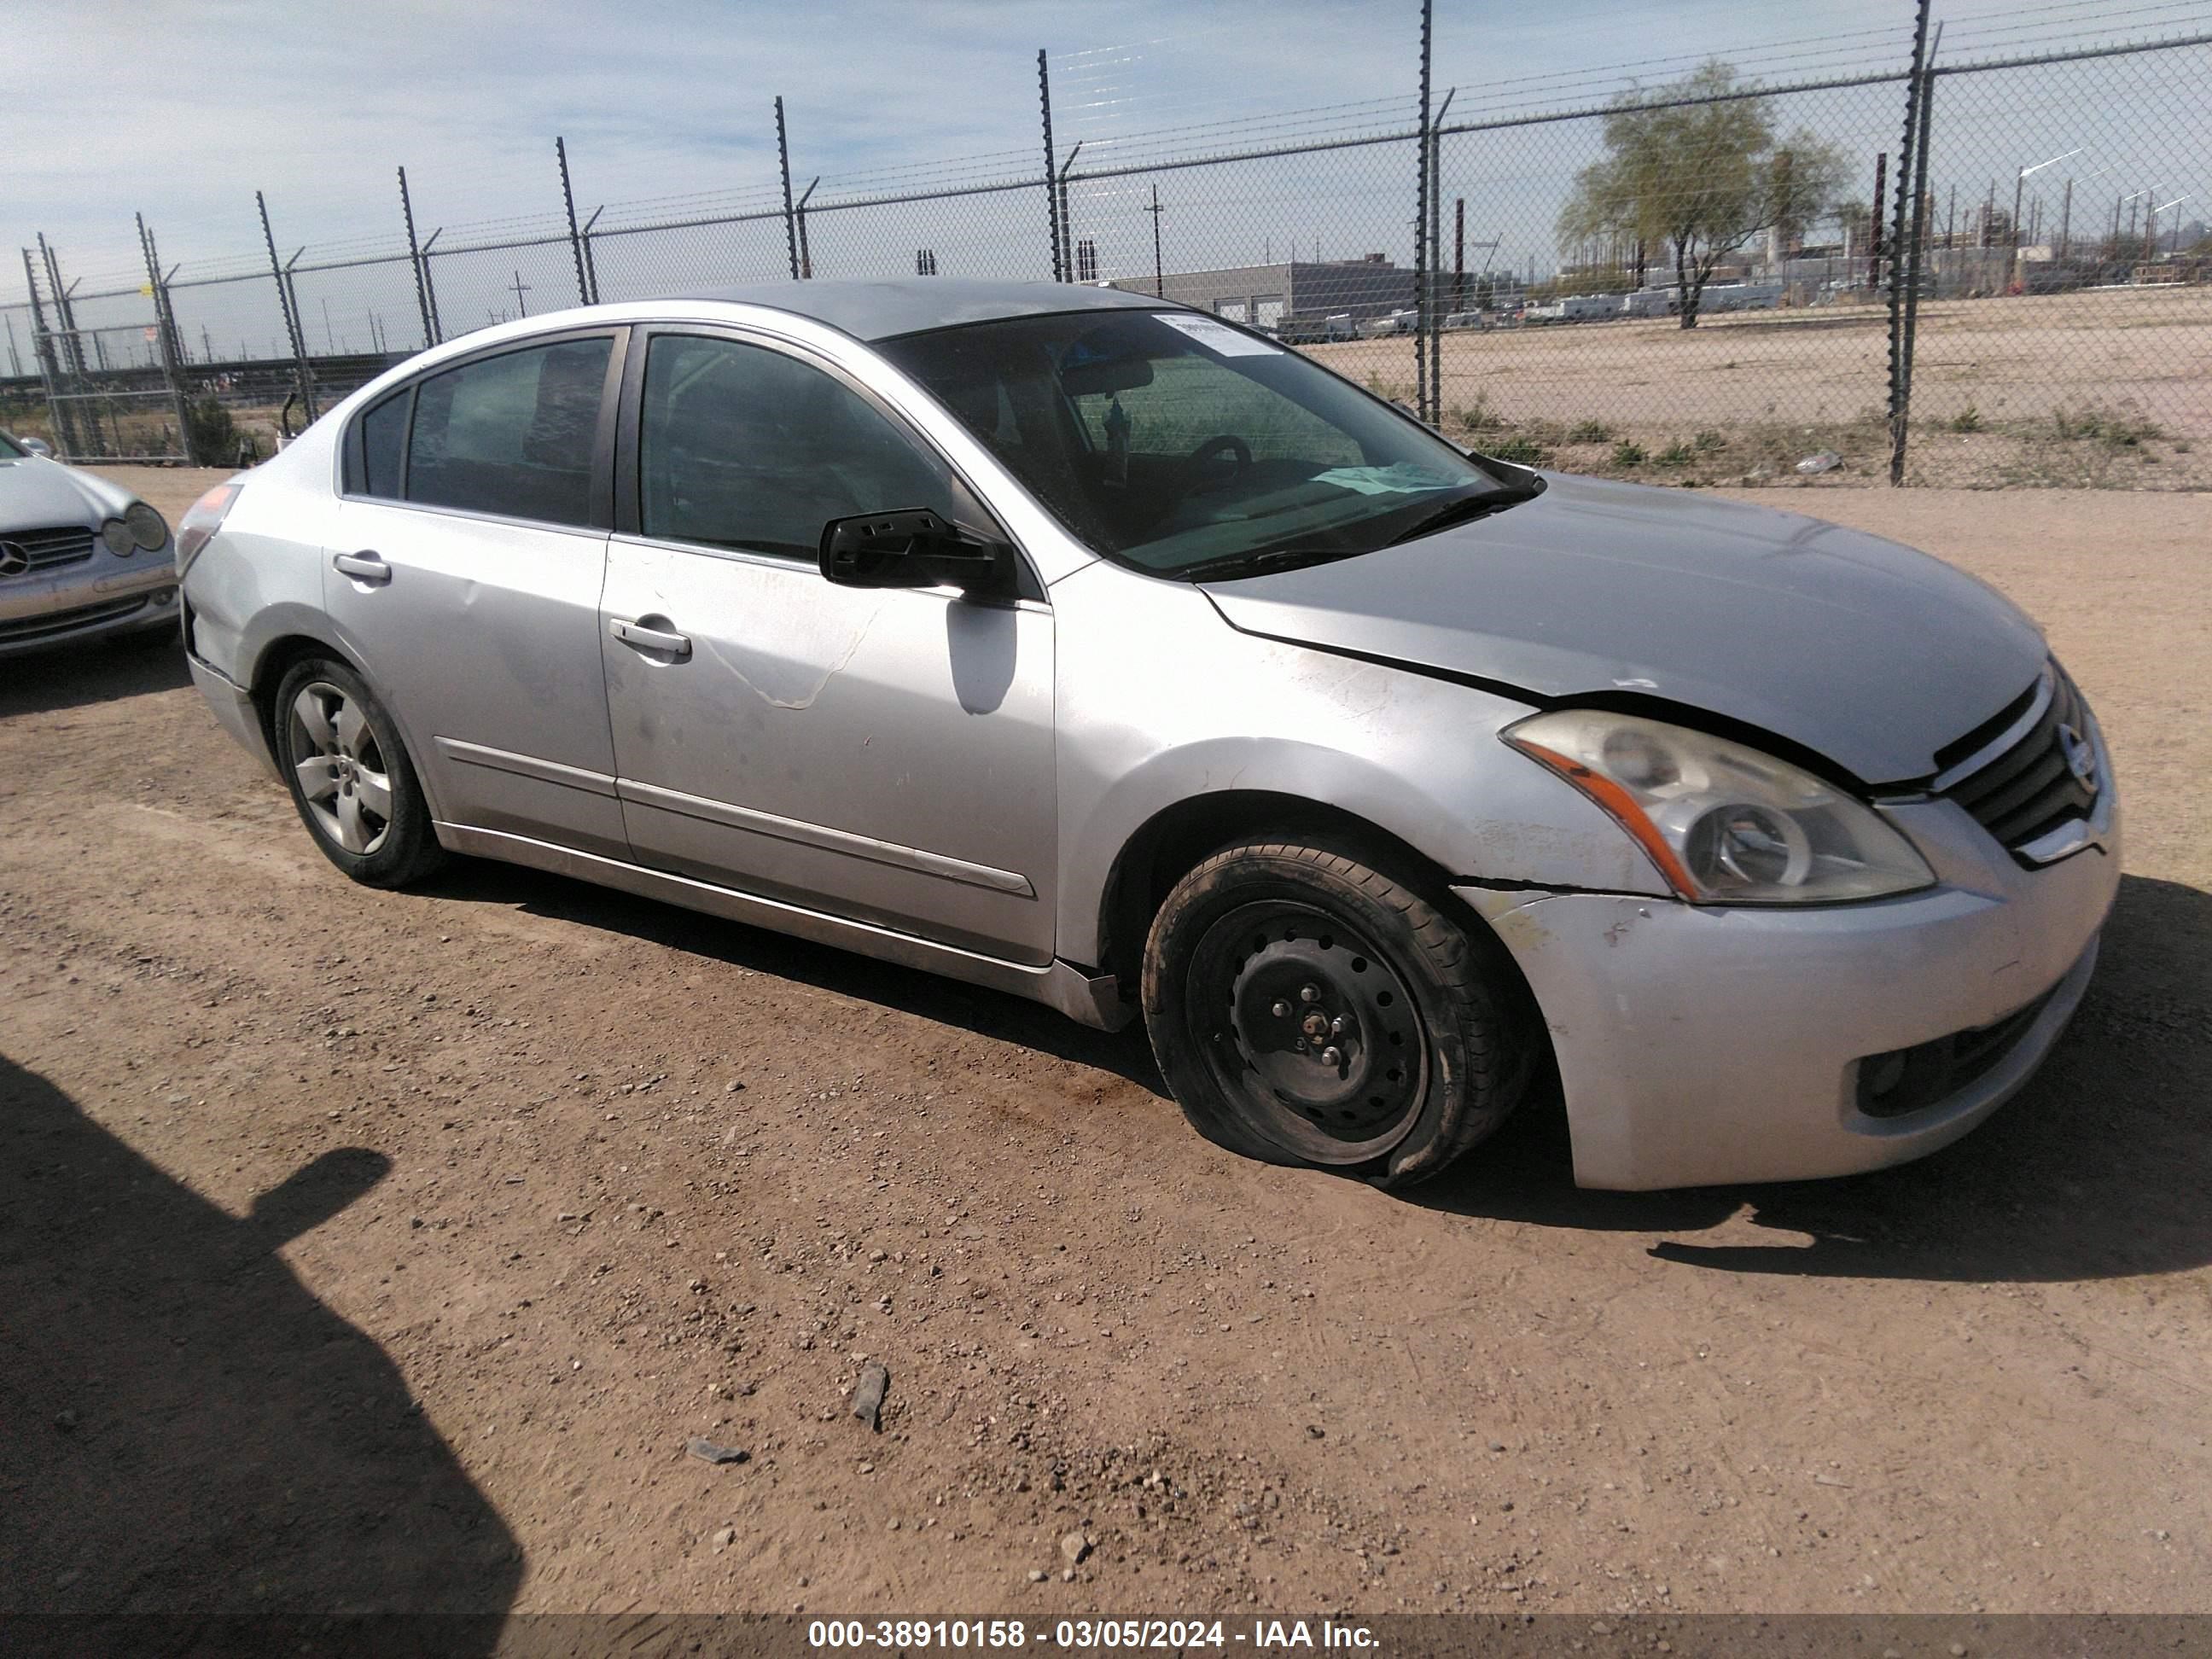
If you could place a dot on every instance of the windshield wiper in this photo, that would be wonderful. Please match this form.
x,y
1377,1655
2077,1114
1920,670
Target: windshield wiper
x,y
1467,509
1232,565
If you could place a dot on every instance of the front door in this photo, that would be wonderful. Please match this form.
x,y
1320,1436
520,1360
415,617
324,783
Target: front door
x,y
471,550
884,755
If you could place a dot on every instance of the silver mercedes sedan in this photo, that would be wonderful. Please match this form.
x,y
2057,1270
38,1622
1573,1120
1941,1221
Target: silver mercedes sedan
x,y
1093,648
80,557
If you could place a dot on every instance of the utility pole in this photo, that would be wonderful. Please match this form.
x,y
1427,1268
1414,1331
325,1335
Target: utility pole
x,y
518,287
1459,253
1160,272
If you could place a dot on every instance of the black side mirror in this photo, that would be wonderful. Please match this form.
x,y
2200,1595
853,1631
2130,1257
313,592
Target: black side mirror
x,y
911,547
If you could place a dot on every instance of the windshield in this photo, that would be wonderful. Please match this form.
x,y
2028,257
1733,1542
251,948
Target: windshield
x,y
1173,442
9,450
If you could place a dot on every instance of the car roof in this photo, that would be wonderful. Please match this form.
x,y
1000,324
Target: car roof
x,y
884,310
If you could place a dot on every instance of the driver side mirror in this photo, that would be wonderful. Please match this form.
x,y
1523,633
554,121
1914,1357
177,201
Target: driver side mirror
x,y
38,446
911,547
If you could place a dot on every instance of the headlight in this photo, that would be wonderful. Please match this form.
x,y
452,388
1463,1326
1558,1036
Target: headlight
x,y
148,529
1725,824
115,536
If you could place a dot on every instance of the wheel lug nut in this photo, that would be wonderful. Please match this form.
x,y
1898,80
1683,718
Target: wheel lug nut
x,y
1298,1044
1332,1057
1281,1011
1339,1026
1309,993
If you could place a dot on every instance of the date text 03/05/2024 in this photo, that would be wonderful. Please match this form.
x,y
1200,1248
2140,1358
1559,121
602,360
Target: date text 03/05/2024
x,y
1256,1635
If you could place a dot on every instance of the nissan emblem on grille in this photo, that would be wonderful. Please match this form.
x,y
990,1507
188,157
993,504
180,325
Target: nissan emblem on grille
x,y
2081,758
15,559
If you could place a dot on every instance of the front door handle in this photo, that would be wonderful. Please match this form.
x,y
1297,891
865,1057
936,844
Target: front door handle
x,y
650,639
364,566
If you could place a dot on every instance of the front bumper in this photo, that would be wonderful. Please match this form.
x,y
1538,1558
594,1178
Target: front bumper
x,y
102,595
1702,1045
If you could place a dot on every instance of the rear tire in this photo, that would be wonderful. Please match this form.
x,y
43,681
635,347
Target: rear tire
x,y
351,780
1307,1008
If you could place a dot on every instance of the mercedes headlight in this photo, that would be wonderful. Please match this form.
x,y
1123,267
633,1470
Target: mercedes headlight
x,y
1724,824
115,536
148,529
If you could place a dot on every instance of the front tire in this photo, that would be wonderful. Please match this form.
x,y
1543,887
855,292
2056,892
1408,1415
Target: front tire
x,y
1307,1008
351,781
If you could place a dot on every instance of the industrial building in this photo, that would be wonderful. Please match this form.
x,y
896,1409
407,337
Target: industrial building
x,y
1267,296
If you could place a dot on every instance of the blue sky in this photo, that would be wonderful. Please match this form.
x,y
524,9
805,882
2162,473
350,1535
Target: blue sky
x,y
317,103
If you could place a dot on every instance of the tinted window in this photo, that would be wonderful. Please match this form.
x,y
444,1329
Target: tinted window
x,y
383,430
511,435
741,447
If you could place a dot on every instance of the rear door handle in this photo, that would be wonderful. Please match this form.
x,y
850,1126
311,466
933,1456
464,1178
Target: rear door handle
x,y
364,566
650,639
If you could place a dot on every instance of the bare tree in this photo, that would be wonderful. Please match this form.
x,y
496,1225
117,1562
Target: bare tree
x,y
1702,177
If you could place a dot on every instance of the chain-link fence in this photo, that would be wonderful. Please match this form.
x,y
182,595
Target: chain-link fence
x,y
1990,273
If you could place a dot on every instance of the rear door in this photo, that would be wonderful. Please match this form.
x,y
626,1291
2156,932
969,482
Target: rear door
x,y
883,755
472,551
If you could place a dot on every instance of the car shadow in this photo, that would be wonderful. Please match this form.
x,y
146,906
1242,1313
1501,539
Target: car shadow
x,y
188,1429
990,1013
2098,1169
94,670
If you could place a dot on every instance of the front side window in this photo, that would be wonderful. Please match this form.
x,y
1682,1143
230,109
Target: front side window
x,y
1170,441
741,447
511,435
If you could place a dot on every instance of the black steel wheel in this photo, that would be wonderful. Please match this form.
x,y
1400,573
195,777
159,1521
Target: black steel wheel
x,y
1307,1008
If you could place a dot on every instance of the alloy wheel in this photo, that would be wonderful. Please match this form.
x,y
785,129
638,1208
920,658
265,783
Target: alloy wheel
x,y
341,771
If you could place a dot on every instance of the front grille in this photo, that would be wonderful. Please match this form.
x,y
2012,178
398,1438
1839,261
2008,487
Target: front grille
x,y
1906,1079
2032,788
49,549
25,629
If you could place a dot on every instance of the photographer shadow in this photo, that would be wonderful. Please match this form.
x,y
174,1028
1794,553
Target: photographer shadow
x,y
189,1429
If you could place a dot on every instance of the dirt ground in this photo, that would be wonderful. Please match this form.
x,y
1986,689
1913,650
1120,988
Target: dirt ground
x,y
2104,387
383,1250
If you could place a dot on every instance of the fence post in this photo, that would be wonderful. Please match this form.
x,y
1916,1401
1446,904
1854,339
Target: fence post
x,y
576,240
430,283
64,315
305,376
422,272
1421,234
164,335
1067,221
790,214
1916,240
1052,168
806,255
50,369
1904,271
1436,256
590,269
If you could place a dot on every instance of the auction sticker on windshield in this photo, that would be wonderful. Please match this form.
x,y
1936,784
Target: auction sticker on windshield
x,y
1216,337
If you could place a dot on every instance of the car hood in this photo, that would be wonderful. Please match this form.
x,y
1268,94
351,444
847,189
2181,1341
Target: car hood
x,y
37,494
1862,650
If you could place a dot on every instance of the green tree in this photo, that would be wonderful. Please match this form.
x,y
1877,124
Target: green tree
x,y
1700,177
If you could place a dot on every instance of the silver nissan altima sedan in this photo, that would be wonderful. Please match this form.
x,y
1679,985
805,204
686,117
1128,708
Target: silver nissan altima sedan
x,y
1065,641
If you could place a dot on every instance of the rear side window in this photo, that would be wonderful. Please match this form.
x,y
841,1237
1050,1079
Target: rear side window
x,y
511,435
383,439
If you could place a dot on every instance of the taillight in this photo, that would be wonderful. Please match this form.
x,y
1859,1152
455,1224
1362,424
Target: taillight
x,y
202,521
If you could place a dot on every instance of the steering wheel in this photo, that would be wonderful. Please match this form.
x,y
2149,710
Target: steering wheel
x,y
1196,481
